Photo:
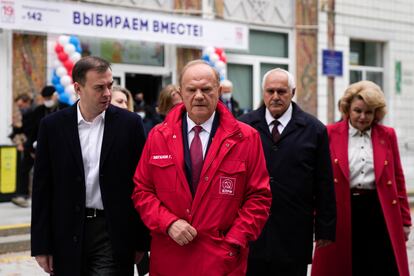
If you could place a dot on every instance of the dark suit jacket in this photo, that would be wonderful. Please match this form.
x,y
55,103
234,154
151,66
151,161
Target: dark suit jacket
x,y
302,186
235,107
58,208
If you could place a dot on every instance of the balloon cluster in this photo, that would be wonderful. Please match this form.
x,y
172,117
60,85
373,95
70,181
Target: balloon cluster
x,y
217,59
68,51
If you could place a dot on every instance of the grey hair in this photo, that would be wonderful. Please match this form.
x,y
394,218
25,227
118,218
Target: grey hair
x,y
291,79
226,83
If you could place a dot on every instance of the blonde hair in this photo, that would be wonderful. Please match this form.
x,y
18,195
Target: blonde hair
x,y
367,91
165,99
130,102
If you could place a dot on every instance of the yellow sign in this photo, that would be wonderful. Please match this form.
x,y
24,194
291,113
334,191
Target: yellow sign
x,y
8,168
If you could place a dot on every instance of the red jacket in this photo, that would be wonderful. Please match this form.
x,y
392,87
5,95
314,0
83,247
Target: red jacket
x,y
390,185
220,216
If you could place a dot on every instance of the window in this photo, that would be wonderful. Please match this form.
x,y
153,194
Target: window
x,y
267,50
124,51
366,61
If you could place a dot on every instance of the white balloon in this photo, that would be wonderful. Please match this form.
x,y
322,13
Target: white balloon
x,y
209,50
63,39
223,72
65,81
61,71
220,65
214,57
75,57
70,89
69,49
57,63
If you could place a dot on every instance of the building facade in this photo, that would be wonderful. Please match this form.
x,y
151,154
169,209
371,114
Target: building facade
x,y
375,40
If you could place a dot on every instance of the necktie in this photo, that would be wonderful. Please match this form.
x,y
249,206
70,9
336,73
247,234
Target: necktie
x,y
196,153
275,131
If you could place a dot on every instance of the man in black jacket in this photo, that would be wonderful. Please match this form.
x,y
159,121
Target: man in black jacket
x,y
297,156
83,219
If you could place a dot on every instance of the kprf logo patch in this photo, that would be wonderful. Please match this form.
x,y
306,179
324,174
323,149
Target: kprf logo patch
x,y
227,185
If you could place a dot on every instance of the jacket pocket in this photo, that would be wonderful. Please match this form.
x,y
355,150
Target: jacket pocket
x,y
230,180
164,174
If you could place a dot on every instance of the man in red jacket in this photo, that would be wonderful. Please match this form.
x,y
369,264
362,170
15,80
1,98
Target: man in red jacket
x,y
201,186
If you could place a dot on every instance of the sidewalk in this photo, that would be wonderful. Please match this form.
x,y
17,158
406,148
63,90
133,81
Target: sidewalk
x,y
21,264
12,215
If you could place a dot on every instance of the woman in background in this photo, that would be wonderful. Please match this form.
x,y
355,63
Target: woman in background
x,y
168,98
121,97
373,215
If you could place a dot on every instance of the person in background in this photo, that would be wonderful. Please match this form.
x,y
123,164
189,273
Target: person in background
x,y
373,214
121,97
203,198
139,100
168,98
22,126
49,106
83,219
297,157
227,98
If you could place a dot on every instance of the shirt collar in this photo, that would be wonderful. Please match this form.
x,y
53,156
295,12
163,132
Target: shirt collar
x,y
82,120
354,132
283,120
207,125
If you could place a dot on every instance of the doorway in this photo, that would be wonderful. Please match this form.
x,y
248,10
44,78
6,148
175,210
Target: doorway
x,y
149,85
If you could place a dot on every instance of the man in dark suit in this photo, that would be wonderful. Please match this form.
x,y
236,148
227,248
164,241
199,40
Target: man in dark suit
x,y
227,98
297,157
83,219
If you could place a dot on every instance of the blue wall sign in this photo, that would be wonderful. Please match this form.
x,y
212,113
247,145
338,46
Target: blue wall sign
x,y
332,63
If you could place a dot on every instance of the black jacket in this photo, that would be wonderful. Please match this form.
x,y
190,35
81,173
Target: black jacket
x,y
58,204
302,187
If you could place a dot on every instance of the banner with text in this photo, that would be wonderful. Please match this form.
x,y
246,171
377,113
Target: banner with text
x,y
98,21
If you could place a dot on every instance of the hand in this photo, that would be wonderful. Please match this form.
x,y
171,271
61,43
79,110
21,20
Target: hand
x,y
407,231
182,232
45,262
322,243
138,256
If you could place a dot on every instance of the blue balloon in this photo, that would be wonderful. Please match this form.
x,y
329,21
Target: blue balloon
x,y
74,40
65,98
78,49
54,74
55,80
222,78
205,57
59,88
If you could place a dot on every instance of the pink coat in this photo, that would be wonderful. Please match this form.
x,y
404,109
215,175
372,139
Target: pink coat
x,y
221,215
389,178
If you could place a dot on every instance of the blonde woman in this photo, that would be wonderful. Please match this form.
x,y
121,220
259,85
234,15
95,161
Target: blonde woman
x,y
373,215
121,97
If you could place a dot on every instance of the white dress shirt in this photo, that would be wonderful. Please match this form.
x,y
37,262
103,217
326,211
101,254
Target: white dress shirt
x,y
361,159
90,138
283,120
204,133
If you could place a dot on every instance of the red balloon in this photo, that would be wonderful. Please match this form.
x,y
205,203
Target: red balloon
x,y
219,51
223,58
70,72
58,48
62,56
68,65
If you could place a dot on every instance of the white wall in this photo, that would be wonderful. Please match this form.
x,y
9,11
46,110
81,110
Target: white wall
x,y
390,22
